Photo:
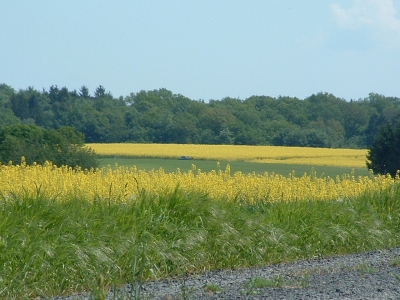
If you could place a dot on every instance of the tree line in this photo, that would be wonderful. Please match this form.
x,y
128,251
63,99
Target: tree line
x,y
160,116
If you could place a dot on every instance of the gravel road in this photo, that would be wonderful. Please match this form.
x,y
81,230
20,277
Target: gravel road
x,y
372,275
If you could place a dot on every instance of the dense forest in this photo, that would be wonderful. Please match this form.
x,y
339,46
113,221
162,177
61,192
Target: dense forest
x,y
160,116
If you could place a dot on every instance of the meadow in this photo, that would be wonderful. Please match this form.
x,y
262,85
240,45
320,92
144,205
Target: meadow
x,y
64,231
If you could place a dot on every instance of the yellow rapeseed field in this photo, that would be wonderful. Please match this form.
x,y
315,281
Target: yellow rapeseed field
x,y
263,154
122,184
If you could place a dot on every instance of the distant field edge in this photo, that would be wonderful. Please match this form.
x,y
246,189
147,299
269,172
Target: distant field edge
x,y
172,165
350,158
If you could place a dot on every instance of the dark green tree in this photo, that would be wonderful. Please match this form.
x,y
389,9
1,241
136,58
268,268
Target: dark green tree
x,y
62,147
355,119
384,154
183,129
84,92
374,123
99,92
225,137
302,138
7,116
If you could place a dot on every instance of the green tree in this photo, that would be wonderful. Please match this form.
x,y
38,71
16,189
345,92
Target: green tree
x,y
384,154
302,138
7,116
355,119
374,123
216,119
100,92
84,92
325,106
380,102
62,147
225,137
183,129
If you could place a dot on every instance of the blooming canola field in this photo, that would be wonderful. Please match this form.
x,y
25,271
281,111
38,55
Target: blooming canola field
x,y
354,158
124,184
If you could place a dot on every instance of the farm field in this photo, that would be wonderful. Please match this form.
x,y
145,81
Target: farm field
x,y
122,183
262,154
172,164
54,244
64,231
247,159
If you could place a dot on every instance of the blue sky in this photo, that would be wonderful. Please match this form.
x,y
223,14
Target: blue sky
x,y
204,49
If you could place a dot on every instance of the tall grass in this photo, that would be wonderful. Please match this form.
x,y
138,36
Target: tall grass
x,y
51,247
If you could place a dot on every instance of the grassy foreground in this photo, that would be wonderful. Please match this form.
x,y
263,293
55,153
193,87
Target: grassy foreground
x,y
51,247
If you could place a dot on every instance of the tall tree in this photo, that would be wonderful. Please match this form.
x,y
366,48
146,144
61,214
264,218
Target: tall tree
x,y
384,154
7,116
84,92
32,106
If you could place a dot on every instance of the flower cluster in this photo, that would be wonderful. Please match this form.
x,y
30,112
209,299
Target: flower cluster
x,y
123,184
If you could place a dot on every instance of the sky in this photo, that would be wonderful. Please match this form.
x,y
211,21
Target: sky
x,y
203,49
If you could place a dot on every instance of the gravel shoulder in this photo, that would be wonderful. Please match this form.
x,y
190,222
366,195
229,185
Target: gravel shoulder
x,y
371,275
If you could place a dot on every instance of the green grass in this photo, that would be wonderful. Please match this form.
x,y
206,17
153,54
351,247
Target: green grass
x,y
261,282
171,165
49,247
213,288
252,285
364,268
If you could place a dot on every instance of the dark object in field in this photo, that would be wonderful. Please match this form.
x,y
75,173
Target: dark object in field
x,y
184,157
